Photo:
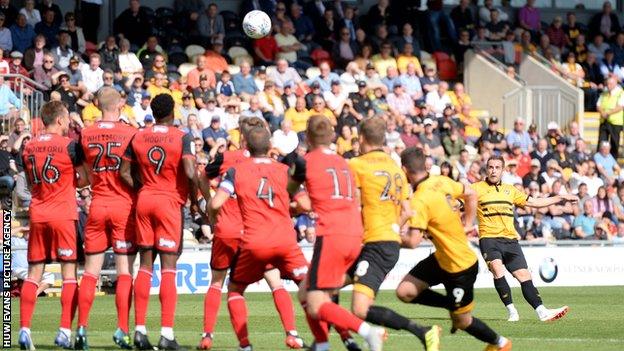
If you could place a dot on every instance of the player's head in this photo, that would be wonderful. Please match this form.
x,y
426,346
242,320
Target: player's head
x,y
372,133
494,169
55,117
109,100
248,123
258,141
413,160
162,108
319,131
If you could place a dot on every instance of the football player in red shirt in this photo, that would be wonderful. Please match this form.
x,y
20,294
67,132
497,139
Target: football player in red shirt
x,y
166,167
51,161
269,238
111,216
330,186
228,233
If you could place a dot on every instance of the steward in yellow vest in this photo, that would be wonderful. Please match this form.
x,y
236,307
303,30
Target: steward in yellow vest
x,y
610,106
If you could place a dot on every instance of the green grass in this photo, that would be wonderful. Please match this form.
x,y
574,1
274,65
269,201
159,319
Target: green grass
x,y
594,322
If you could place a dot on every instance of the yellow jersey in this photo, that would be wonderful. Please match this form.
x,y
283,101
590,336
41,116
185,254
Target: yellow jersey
x,y
299,119
90,114
383,186
495,209
435,209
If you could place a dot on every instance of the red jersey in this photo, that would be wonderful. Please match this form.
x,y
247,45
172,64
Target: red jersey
x,y
229,220
159,151
104,143
49,162
260,187
331,187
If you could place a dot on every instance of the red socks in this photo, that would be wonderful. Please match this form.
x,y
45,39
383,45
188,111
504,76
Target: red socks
x,y
168,298
238,317
338,316
212,301
123,300
28,299
86,295
319,329
69,302
142,284
285,308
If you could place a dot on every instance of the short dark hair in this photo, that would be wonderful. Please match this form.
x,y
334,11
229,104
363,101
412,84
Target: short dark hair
x,y
162,106
249,123
374,131
258,141
413,159
319,131
51,111
496,158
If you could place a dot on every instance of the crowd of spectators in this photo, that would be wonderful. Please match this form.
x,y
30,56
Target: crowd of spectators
x,y
337,60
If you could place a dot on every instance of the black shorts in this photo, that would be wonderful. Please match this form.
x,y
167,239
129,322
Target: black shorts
x,y
506,250
375,261
459,286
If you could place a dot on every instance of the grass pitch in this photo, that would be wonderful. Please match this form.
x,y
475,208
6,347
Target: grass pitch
x,y
594,323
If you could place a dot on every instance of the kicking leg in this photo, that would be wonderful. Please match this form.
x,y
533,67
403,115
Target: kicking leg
x,y
480,330
531,295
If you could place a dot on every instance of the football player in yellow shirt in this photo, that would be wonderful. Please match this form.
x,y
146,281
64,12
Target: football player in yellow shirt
x,y
453,264
384,195
498,238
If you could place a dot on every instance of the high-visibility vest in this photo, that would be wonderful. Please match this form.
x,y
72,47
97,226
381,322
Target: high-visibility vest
x,y
610,101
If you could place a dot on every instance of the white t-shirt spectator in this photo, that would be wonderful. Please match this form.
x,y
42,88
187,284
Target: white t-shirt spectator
x,y
280,79
286,40
205,116
437,102
334,101
140,113
92,79
129,63
285,142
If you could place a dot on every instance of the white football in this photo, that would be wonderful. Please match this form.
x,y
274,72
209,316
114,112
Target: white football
x,y
256,24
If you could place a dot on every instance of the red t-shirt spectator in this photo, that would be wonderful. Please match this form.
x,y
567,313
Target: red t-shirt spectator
x,y
267,46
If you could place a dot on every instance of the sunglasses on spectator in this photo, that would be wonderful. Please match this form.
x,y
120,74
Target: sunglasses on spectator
x,y
108,77
48,61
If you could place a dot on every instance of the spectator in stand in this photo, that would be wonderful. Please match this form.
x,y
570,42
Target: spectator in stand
x,y
9,103
109,54
210,24
407,37
203,93
134,23
63,52
529,18
6,40
520,136
22,34
430,140
384,59
411,81
344,49
381,35
127,61
188,107
602,204
210,110
46,74
225,87
493,136
33,16
409,136
298,116
266,50
496,29
484,12
244,83
202,70
289,98
9,11
572,28
618,48
392,77
214,134
579,48
91,113
572,71
407,57
593,179
192,127
523,159
78,43
379,13
610,105
68,96
50,5
284,139
546,49
143,109
438,100
541,154
283,74
148,52
585,223
288,45
453,143
463,17
430,81
556,34
156,88
563,158
271,104
49,28
92,74
15,64
33,57
158,65
610,68
605,22
325,78
598,47
215,56
534,175
304,28
401,103
606,163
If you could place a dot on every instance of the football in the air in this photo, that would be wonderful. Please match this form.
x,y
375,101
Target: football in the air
x,y
256,24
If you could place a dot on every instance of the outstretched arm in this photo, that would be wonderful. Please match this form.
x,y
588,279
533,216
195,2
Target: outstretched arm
x,y
548,201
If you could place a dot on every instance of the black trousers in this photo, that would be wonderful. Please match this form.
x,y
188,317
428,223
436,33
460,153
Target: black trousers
x,y
611,133
90,20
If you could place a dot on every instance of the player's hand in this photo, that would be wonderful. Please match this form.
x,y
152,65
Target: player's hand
x,y
469,229
570,198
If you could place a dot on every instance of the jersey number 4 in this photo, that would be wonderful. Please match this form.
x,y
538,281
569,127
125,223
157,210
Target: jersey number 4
x,y
265,191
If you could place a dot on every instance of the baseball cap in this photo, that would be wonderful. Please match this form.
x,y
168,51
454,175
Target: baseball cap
x,y
361,84
315,84
428,122
370,66
74,59
215,119
493,120
397,85
516,145
17,54
148,118
512,162
335,82
145,95
553,126
562,141
535,163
